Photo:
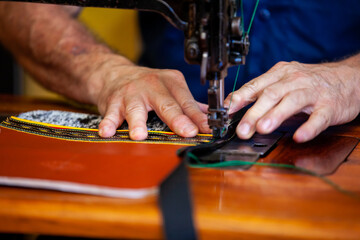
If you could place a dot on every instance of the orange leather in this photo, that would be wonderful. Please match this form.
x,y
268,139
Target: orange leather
x,y
118,165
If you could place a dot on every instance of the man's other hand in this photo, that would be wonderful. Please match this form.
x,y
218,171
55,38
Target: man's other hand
x,y
129,92
329,93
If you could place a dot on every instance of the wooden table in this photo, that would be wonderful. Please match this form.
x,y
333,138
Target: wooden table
x,y
229,204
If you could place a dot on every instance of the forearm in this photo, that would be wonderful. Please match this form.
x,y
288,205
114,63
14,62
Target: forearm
x,y
55,48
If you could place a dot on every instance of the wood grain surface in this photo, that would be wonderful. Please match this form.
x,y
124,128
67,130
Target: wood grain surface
x,y
261,203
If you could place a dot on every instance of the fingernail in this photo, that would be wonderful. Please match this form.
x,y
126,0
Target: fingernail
x,y
266,124
190,129
102,131
244,129
138,133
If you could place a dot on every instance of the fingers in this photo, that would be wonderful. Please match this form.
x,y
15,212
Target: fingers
x,y
291,104
136,117
111,121
319,120
204,128
187,103
135,113
192,109
250,91
171,113
203,107
269,99
170,98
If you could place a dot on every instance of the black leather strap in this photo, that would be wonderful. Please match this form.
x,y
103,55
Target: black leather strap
x,y
176,205
175,198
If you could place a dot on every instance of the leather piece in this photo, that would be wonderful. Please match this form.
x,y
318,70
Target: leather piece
x,y
104,165
131,166
91,135
322,155
85,120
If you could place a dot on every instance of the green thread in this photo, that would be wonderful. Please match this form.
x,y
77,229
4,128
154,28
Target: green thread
x,y
253,16
233,90
193,156
242,25
232,93
277,165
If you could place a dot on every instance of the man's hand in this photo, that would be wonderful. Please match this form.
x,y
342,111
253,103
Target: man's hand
x,y
128,92
329,93
61,54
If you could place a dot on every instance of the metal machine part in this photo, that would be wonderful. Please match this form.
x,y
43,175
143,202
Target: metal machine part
x,y
244,150
213,38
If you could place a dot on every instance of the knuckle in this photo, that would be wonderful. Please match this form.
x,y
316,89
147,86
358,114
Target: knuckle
x,y
295,63
280,65
129,88
110,119
324,118
134,108
295,100
199,118
178,121
188,104
272,94
177,75
287,66
297,75
251,88
113,98
167,107
152,78
235,98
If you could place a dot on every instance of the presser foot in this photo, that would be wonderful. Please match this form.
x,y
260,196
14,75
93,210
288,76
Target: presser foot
x,y
218,122
219,132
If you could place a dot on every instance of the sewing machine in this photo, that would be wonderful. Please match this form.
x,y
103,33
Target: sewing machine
x,y
228,203
213,39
